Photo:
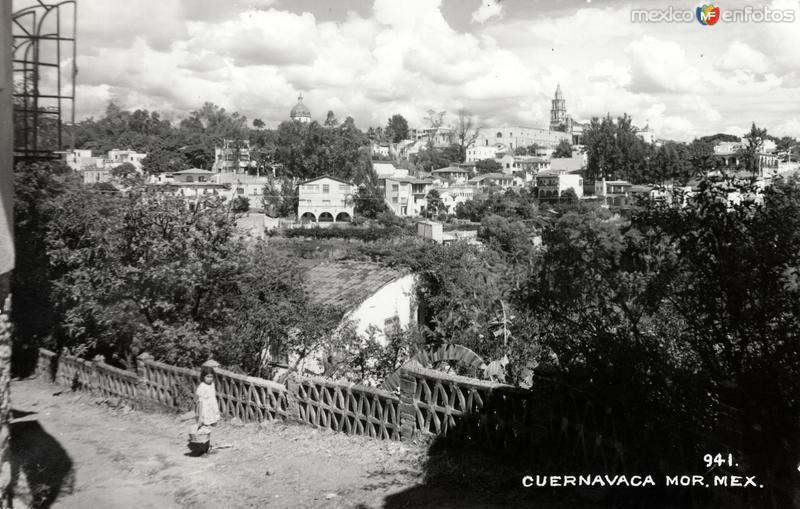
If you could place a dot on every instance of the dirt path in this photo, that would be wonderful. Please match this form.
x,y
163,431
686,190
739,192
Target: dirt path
x,y
79,454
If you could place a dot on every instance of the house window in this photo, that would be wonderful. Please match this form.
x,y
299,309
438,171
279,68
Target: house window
x,y
189,178
326,188
394,200
395,188
499,135
201,179
344,187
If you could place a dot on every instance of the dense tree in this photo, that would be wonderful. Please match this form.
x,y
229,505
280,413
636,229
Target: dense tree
x,y
433,202
331,120
488,166
369,201
615,151
716,138
750,152
309,150
164,161
280,198
240,204
258,123
701,157
396,128
563,149
671,161
431,159
35,314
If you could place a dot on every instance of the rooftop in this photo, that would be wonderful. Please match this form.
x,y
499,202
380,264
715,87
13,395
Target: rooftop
x,y
347,283
194,171
497,176
324,177
451,169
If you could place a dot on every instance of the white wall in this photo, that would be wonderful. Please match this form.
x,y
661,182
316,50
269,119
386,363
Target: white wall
x,y
394,299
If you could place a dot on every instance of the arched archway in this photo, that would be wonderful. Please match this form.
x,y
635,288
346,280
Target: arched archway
x,y
325,217
308,217
343,217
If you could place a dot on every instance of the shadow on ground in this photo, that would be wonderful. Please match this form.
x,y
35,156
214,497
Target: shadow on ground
x,y
482,460
41,469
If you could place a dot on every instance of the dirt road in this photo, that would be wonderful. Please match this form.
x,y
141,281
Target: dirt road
x,y
77,453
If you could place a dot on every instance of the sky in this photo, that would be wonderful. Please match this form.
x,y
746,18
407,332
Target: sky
x,y
498,59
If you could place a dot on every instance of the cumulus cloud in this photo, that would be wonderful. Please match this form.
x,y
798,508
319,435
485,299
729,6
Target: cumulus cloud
x,y
661,66
488,9
254,56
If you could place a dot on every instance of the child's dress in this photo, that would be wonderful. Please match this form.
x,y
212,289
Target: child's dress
x,y
207,407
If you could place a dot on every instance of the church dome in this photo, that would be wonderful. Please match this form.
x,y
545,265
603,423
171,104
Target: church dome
x,y
300,111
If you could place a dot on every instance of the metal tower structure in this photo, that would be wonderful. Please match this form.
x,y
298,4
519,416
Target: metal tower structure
x,y
44,84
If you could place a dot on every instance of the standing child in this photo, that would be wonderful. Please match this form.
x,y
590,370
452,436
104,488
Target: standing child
x,y
207,407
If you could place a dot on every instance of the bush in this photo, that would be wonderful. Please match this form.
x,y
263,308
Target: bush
x,y
240,204
371,234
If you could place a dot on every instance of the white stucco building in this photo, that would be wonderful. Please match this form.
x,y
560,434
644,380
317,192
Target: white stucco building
x,y
326,200
477,153
514,137
552,184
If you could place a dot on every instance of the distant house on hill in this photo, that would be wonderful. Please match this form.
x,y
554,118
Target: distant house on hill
x,y
193,185
492,179
452,173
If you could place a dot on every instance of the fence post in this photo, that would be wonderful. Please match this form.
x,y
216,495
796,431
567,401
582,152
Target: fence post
x,y
407,408
211,363
143,391
292,403
96,385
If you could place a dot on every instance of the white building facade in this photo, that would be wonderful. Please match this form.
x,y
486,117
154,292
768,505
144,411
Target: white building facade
x,y
326,200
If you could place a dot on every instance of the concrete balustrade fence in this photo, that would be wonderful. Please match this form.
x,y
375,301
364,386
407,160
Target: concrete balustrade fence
x,y
429,403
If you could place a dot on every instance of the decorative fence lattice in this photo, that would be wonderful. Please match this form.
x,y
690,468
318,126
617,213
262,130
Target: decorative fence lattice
x,y
466,408
115,382
428,402
250,399
352,409
75,372
170,386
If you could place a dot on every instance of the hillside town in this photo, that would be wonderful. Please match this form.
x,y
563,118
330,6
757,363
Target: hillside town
x,y
549,162
267,254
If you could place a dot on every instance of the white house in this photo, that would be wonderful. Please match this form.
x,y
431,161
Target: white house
x,y
98,169
326,200
232,156
552,184
244,185
405,196
454,174
193,185
116,157
492,179
375,299
477,153
453,195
